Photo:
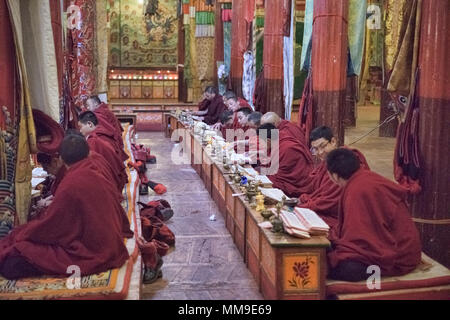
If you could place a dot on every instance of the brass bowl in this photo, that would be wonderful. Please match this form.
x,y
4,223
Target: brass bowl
x,y
266,214
291,203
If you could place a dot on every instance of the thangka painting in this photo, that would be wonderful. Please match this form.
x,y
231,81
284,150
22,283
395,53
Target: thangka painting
x,y
144,33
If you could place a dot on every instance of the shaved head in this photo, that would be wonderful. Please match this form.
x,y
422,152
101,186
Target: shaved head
x,y
271,117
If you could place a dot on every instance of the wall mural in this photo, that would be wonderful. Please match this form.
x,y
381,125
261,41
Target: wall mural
x,y
144,33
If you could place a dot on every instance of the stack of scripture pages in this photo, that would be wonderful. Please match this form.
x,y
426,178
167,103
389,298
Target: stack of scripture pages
x,y
293,225
314,224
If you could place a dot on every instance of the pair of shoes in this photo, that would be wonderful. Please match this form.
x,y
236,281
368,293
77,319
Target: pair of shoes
x,y
151,275
166,214
143,190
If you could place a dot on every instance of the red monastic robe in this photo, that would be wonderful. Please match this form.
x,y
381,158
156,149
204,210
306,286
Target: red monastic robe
x,y
291,130
295,166
375,226
323,194
84,225
108,120
106,150
109,137
106,170
215,109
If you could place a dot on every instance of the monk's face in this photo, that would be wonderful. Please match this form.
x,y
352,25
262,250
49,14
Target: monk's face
x,y
242,118
54,166
252,125
86,128
90,105
233,105
322,147
209,96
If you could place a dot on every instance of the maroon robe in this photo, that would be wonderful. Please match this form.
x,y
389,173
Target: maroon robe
x,y
106,150
58,179
215,109
84,225
323,195
106,170
291,130
375,226
295,166
108,120
109,137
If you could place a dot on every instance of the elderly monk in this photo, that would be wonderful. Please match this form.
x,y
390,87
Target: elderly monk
x,y
375,226
212,106
84,226
108,121
323,194
286,127
233,103
99,143
290,164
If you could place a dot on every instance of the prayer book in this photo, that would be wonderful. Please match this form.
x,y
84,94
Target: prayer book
x,y
293,225
272,193
313,223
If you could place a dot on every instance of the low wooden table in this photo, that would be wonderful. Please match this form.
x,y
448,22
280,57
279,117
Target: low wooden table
x,y
284,267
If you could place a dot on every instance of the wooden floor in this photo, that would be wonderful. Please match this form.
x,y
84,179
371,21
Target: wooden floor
x,y
205,263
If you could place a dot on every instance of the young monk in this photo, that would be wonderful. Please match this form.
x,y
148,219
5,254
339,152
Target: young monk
x,y
289,161
106,119
88,125
84,225
212,107
375,226
323,194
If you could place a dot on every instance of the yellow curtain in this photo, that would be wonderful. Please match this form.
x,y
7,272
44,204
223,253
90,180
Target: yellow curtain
x,y
102,46
26,131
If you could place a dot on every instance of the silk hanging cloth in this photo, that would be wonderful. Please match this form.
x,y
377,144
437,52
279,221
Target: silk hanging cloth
x,y
26,131
356,32
288,66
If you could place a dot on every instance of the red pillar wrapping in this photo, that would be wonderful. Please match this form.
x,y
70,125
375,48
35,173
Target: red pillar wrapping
x,y
84,73
329,63
218,47
55,11
431,208
238,45
277,13
7,64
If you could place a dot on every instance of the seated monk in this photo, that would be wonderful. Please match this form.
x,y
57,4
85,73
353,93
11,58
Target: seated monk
x,y
56,169
226,120
108,121
290,163
286,127
323,195
253,122
375,226
233,103
214,106
84,225
87,122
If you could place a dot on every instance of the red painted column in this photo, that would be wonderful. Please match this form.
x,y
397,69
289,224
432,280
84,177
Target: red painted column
x,y
329,64
84,73
240,41
276,15
7,64
432,205
218,47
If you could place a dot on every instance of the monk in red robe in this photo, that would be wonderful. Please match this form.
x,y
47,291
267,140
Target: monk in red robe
x,y
88,123
286,127
84,226
108,121
232,103
375,225
213,108
323,194
290,161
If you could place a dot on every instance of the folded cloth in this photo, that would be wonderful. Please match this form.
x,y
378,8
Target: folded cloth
x,y
49,134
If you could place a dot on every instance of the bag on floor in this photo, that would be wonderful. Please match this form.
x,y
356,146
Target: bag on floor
x,y
154,229
159,208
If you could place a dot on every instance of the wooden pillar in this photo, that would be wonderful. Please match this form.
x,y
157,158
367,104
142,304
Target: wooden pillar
x,y
182,86
432,205
238,45
57,28
329,64
277,13
218,47
7,65
350,102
